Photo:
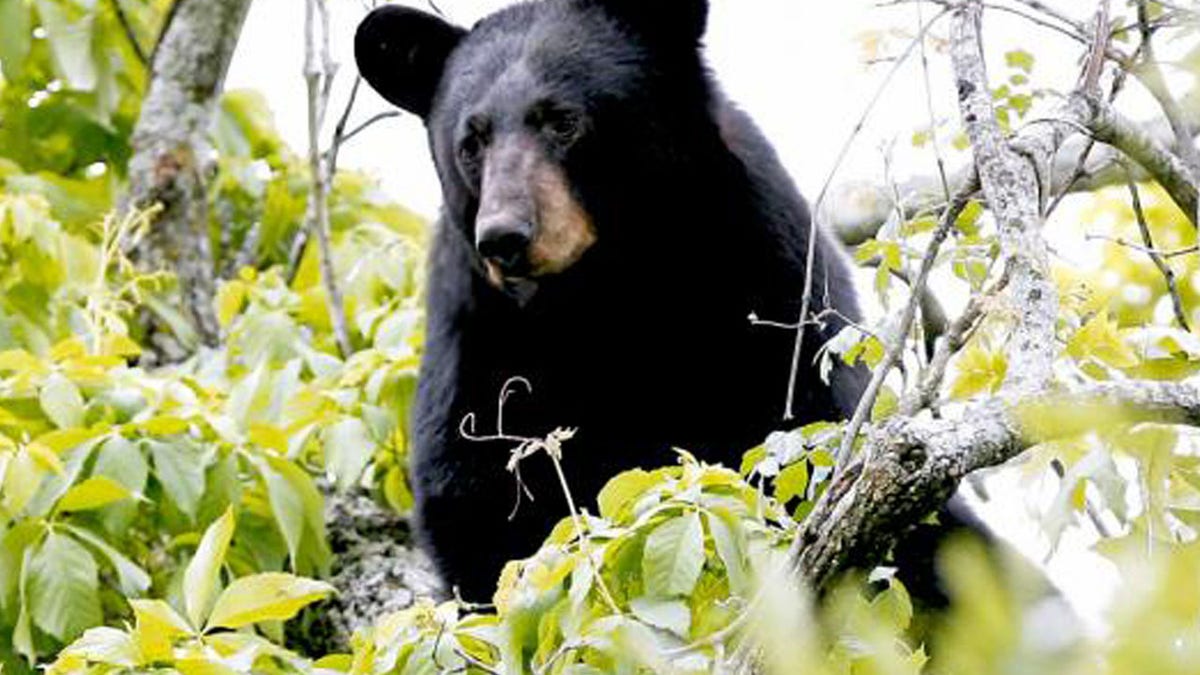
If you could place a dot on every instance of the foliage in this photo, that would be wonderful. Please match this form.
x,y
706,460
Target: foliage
x,y
170,519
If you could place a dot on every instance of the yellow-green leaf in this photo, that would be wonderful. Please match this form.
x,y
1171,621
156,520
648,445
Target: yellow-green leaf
x,y
272,596
979,370
158,624
93,493
1101,340
202,575
230,299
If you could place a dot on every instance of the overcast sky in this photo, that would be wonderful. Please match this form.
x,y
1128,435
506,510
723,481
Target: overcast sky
x,y
797,66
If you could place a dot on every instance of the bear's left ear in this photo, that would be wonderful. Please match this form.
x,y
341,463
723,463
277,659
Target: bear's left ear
x,y
402,52
675,20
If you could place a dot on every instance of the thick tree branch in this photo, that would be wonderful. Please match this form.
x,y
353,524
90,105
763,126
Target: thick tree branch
x,y
915,464
1109,126
1013,183
1150,74
172,155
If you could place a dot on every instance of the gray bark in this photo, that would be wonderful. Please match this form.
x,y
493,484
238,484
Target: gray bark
x,y
172,155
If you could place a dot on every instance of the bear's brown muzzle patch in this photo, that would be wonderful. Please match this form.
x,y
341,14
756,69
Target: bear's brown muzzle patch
x,y
521,184
564,229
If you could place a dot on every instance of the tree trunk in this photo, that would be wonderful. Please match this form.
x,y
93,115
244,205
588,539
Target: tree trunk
x,y
172,157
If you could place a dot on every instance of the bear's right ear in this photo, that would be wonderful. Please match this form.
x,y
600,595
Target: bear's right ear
x,y
401,53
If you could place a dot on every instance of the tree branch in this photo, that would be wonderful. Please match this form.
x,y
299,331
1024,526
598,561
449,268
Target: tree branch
x,y
319,71
172,156
916,464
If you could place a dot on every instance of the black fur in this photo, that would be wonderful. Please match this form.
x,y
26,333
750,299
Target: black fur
x,y
645,344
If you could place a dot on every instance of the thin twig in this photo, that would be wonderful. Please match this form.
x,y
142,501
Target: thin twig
x,y
130,33
1138,247
1159,262
957,336
789,412
937,146
319,77
896,349
378,117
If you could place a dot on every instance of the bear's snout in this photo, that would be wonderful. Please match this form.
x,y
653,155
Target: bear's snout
x,y
505,246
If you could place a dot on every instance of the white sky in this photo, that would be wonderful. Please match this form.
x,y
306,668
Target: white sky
x,y
795,65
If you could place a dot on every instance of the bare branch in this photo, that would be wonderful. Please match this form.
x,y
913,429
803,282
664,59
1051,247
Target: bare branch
x,y
895,351
318,75
1150,75
1159,261
130,34
810,265
1110,127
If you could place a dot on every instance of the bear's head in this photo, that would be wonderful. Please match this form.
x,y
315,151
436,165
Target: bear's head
x,y
544,118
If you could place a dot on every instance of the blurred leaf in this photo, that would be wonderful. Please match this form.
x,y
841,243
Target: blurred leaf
x,y
978,370
348,449
70,41
180,468
16,36
62,402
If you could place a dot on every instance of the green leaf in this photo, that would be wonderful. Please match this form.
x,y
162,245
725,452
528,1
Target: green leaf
x,y
132,579
1101,340
623,490
299,512
792,482
979,370
180,471
670,615
122,461
731,550
894,606
64,586
348,449
93,493
22,638
674,557
272,596
62,402
1020,59
55,486
968,221
203,573
16,36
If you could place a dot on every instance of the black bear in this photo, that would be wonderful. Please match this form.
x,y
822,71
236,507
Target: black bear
x,y
611,222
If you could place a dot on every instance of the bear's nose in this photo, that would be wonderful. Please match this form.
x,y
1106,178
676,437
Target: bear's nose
x,y
506,247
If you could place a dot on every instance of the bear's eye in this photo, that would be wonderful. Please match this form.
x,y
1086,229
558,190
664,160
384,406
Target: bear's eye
x,y
473,143
563,126
470,149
